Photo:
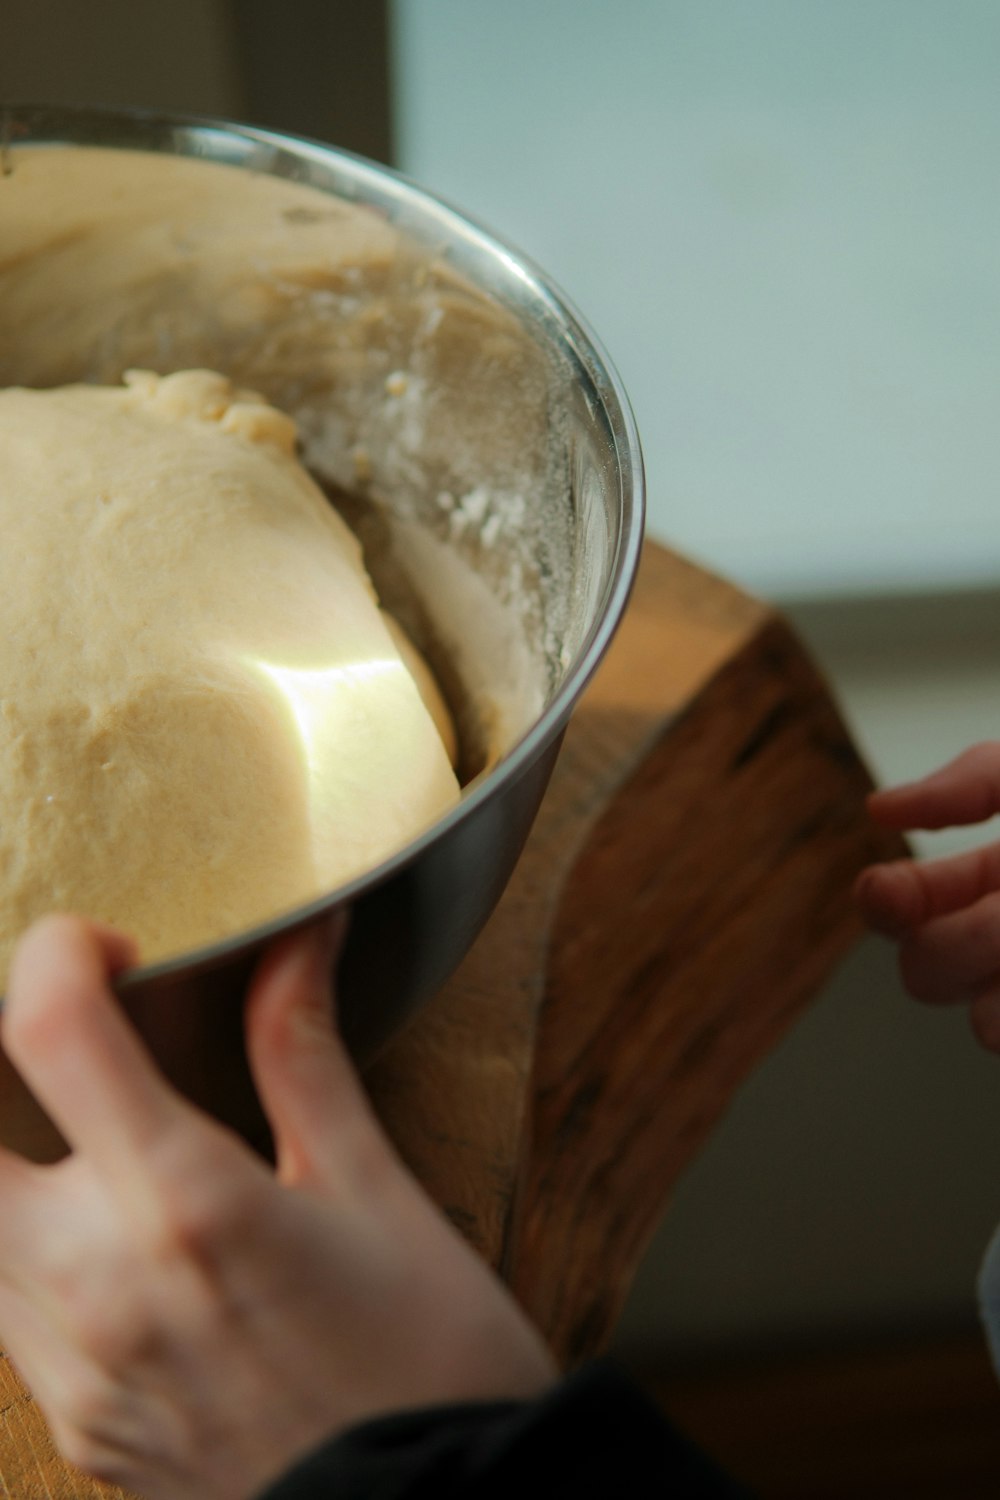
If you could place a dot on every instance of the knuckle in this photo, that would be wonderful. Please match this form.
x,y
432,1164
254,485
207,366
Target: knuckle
x,y
207,1202
190,1231
76,1447
984,922
117,1338
30,1029
83,1428
108,1315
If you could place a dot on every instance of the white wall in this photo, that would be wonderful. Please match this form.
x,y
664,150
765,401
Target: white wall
x,y
782,219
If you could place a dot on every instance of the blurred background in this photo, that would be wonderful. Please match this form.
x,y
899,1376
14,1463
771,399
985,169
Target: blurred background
x,y
782,220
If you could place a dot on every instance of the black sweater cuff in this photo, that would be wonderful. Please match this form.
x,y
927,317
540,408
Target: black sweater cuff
x,y
595,1434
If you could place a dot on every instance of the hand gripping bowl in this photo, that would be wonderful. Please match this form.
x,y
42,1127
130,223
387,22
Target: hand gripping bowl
x,y
451,401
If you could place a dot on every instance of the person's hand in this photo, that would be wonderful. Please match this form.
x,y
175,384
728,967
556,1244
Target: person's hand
x,y
190,1320
945,913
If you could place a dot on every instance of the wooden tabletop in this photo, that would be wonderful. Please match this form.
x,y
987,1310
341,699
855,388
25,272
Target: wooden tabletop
x,y
685,891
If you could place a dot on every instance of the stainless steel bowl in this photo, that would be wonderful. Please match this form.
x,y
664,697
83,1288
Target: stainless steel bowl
x,y
520,402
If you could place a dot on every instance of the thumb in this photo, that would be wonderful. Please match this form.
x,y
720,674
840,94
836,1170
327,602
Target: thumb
x,y
307,1083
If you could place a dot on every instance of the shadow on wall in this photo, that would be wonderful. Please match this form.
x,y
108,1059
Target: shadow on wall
x,y
313,67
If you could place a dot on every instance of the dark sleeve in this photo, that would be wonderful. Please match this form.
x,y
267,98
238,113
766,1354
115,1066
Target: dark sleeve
x,y
594,1435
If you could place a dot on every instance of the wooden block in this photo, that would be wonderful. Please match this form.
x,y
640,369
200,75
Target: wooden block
x,y
685,891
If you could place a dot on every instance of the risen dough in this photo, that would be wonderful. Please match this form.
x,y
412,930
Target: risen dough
x,y
204,717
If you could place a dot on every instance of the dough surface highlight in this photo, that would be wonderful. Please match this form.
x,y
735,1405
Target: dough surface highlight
x,y
205,719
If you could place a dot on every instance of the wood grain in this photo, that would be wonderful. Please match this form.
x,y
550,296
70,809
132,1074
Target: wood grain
x,y
684,892
707,906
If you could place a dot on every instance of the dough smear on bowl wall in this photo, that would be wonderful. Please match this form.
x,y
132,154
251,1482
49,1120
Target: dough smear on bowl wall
x,y
205,717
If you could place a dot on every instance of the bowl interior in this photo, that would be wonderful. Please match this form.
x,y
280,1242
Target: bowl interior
x,y
451,403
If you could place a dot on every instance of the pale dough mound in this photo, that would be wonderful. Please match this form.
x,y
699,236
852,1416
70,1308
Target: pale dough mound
x,y
205,719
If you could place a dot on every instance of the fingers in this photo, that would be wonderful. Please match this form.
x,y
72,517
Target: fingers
x,y
955,957
306,1081
890,897
966,790
896,897
68,1038
945,913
